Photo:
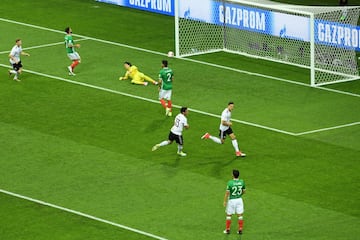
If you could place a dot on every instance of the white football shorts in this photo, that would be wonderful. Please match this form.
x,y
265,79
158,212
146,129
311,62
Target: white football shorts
x,y
235,206
165,94
74,56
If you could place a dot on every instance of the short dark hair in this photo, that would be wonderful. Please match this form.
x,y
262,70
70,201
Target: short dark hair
x,y
230,103
183,109
128,63
343,2
67,29
17,40
236,173
165,63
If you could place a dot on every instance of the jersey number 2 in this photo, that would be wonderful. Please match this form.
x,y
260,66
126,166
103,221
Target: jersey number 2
x,y
169,76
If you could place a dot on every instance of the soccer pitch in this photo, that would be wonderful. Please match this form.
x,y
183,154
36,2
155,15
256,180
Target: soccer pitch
x,y
76,160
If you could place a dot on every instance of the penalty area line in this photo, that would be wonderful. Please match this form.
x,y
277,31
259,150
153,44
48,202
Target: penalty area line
x,y
81,214
149,100
327,129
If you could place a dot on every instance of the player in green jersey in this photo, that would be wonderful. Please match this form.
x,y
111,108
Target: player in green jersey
x,y
70,50
166,77
233,201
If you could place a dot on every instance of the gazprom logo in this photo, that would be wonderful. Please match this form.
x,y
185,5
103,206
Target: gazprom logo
x,y
242,18
338,35
159,5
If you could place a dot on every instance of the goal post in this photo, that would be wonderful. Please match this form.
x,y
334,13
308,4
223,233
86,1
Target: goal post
x,y
321,39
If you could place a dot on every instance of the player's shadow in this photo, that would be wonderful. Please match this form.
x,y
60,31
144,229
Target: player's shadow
x,y
232,237
171,168
219,165
155,123
173,164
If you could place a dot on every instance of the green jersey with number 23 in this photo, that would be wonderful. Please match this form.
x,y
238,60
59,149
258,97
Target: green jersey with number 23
x,y
236,188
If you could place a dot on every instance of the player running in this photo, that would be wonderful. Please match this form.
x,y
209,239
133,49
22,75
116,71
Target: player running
x,y
225,129
175,134
136,77
233,201
166,78
15,61
71,52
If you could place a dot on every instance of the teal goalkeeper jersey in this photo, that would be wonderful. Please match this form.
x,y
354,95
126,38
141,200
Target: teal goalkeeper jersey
x,y
69,41
236,188
166,76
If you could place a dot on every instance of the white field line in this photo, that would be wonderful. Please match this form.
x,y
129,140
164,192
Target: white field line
x,y
185,59
45,45
82,214
327,129
148,99
270,77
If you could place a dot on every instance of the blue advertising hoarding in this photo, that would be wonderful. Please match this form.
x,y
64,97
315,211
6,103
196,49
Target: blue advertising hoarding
x,y
247,18
337,34
165,7
253,19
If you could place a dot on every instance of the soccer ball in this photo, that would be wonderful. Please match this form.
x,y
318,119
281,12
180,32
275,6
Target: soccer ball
x,y
170,54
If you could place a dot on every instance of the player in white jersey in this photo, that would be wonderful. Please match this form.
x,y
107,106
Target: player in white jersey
x,y
15,60
175,134
225,129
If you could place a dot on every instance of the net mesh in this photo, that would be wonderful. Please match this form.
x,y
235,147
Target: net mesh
x,y
198,36
332,63
335,64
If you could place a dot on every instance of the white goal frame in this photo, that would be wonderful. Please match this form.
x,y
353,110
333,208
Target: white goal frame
x,y
304,11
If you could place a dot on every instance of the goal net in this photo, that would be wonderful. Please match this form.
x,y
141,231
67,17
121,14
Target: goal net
x,y
322,39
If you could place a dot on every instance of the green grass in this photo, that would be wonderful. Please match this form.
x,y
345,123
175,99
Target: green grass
x,y
90,150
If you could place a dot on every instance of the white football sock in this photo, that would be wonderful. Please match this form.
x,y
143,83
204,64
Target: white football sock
x,y
235,144
215,139
13,71
180,147
164,143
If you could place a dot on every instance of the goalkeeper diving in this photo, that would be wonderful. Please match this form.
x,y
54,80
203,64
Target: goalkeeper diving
x,y
136,76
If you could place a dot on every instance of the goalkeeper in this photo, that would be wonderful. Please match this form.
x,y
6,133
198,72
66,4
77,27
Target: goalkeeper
x,y
136,76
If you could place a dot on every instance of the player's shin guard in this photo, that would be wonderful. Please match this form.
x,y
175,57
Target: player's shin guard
x,y
235,145
228,222
163,103
241,223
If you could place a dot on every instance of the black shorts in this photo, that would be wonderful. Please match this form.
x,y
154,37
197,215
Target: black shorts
x,y
177,138
17,66
222,134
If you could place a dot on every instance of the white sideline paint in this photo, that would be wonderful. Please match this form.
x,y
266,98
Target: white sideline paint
x,y
185,59
148,99
82,214
45,45
326,129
